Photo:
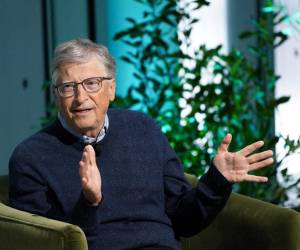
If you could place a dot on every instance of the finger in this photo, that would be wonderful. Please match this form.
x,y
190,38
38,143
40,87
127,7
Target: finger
x,y
83,169
84,182
260,156
251,148
225,143
90,154
261,164
255,178
84,157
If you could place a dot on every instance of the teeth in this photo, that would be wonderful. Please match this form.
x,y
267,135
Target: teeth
x,y
82,110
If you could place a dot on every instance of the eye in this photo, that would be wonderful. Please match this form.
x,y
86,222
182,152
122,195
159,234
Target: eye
x,y
67,87
92,84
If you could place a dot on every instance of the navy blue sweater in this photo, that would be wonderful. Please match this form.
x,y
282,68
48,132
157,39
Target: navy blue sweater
x,y
146,199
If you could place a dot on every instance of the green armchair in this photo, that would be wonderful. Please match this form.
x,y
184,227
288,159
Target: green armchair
x,y
245,223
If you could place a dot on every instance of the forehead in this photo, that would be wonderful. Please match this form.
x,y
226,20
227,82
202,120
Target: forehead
x,y
92,67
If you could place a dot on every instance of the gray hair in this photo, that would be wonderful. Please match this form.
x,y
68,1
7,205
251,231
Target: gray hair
x,y
79,51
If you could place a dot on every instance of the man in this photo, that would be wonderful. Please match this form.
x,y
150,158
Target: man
x,y
111,171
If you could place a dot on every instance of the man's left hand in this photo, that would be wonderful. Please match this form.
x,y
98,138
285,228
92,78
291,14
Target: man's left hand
x,y
235,166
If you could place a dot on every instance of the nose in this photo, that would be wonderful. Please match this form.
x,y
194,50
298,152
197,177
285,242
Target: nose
x,y
80,94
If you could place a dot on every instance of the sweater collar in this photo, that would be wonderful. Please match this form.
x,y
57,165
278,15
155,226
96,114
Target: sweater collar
x,y
86,139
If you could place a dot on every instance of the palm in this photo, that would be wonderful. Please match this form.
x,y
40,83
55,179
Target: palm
x,y
235,166
90,176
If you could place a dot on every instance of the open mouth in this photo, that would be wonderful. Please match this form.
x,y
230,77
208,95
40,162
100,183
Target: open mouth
x,y
81,111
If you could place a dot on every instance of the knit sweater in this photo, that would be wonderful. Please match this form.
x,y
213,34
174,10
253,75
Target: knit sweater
x,y
146,198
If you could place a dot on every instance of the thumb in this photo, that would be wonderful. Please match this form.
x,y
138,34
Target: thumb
x,y
225,143
84,182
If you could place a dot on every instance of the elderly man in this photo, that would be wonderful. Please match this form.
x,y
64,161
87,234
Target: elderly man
x,y
111,171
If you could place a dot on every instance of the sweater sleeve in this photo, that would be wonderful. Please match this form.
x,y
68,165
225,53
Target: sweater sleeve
x,y
29,191
192,209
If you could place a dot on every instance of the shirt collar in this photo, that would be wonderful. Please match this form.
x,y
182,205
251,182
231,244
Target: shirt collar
x,y
86,139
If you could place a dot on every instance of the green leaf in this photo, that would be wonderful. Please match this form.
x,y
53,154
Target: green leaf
x,y
131,20
127,59
246,34
281,100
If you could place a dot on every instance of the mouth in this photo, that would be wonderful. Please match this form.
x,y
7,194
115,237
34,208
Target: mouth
x,y
81,111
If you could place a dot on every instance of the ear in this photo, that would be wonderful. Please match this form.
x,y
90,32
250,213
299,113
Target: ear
x,y
112,90
56,97
53,90
54,93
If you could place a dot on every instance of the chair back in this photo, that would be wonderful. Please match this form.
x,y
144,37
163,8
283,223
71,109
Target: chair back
x,y
4,189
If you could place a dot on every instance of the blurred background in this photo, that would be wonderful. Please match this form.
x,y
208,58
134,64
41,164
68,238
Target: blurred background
x,y
139,34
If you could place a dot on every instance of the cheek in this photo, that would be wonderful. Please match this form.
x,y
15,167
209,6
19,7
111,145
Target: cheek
x,y
63,106
101,104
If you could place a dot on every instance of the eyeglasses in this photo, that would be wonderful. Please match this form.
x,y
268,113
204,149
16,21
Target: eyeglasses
x,y
90,85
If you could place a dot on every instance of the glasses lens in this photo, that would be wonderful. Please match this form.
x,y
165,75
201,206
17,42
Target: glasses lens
x,y
66,89
92,84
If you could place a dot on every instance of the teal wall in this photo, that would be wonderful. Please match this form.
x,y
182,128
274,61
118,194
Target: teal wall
x,y
114,21
21,70
70,20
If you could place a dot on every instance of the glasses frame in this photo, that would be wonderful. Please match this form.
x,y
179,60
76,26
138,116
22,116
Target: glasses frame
x,y
75,85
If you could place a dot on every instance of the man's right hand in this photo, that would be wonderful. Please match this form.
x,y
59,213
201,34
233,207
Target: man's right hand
x,y
90,176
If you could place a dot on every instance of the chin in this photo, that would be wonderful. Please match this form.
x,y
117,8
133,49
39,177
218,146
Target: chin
x,y
83,127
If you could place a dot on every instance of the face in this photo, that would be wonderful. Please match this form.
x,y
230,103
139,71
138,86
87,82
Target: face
x,y
85,112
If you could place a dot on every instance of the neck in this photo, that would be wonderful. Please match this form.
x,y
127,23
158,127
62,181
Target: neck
x,y
92,133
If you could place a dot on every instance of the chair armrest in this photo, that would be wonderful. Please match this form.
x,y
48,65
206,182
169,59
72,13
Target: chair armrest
x,y
247,224
22,230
